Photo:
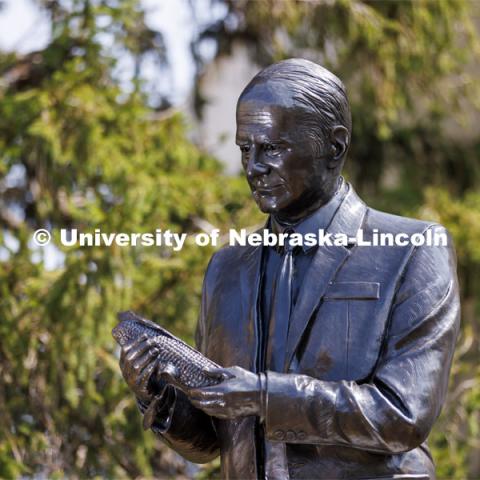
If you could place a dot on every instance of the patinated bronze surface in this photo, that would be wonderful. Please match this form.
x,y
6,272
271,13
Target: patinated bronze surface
x,y
366,339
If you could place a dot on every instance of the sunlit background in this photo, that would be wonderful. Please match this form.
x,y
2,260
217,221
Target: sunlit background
x,y
119,115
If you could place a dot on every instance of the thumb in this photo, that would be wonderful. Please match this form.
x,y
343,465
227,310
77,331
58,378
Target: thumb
x,y
170,373
218,374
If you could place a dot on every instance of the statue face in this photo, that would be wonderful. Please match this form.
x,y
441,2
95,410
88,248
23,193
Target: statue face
x,y
286,176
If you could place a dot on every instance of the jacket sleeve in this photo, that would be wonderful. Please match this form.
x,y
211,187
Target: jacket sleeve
x,y
394,410
186,429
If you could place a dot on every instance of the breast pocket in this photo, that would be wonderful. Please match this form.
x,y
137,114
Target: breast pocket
x,y
341,344
352,291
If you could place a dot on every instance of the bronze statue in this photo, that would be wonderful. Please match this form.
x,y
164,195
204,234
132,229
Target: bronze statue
x,y
336,357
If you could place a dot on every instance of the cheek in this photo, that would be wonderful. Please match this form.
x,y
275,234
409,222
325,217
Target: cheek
x,y
296,178
304,171
287,166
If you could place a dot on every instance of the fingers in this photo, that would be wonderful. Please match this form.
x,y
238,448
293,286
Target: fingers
x,y
143,348
158,366
205,393
131,349
217,408
137,362
145,368
134,343
210,407
140,348
209,404
148,358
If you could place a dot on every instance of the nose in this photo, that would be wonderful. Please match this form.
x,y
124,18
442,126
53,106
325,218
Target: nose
x,y
255,166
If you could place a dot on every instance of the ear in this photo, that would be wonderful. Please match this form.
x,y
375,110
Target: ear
x,y
339,141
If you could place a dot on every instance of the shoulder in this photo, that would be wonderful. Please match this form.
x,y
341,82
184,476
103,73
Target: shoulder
x,y
434,234
429,242
430,261
426,252
227,256
388,222
226,261
376,221
428,274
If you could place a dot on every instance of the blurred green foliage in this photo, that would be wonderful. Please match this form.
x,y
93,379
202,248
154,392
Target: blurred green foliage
x,y
77,151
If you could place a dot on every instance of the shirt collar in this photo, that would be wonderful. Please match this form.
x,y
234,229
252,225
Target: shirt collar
x,y
320,219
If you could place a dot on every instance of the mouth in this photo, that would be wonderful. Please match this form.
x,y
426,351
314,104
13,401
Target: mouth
x,y
266,191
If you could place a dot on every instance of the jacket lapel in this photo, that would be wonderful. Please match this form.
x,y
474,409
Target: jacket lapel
x,y
325,264
250,272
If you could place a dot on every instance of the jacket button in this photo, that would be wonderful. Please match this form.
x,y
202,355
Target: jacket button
x,y
290,436
301,435
279,435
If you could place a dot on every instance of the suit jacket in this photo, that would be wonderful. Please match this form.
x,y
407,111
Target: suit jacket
x,y
369,350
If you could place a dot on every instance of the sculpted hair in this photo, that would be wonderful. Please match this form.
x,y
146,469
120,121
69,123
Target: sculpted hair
x,y
316,89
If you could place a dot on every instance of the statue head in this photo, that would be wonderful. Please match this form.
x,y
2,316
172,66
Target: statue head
x,y
293,130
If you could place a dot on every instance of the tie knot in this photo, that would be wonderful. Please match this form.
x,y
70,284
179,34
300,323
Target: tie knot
x,y
288,247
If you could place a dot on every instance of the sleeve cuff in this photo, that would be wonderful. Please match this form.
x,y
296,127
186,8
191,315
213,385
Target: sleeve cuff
x,y
158,414
298,409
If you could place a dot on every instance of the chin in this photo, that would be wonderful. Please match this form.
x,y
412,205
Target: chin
x,y
271,205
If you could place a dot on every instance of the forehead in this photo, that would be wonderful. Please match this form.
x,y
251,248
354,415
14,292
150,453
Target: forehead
x,y
268,108
259,118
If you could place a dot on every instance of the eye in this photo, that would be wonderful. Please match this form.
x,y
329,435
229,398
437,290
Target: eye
x,y
271,148
244,148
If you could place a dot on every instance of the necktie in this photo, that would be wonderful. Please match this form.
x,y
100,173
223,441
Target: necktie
x,y
276,466
280,310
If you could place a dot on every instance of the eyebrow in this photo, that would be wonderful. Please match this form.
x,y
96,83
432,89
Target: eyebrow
x,y
265,139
